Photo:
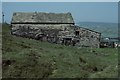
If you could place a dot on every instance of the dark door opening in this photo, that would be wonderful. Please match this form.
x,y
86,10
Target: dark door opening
x,y
76,33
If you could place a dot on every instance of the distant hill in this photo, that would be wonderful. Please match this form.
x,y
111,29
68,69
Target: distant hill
x,y
107,29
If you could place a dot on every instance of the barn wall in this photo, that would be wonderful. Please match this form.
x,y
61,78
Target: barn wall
x,y
88,38
41,26
31,30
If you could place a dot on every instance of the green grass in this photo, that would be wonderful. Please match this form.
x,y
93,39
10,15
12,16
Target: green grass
x,y
27,58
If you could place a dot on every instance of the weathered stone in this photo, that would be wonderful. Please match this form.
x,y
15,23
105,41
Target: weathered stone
x,y
53,27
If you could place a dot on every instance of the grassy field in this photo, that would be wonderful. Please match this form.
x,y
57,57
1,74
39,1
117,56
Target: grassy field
x,y
28,58
0,50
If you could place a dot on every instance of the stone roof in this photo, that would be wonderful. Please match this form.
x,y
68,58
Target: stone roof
x,y
78,27
41,17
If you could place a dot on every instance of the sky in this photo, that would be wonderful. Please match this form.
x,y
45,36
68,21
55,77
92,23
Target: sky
x,y
60,0
81,11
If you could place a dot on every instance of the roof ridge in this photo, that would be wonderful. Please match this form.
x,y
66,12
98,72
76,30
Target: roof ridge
x,y
45,12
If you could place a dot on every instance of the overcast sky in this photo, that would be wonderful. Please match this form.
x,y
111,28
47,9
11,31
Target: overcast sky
x,y
81,11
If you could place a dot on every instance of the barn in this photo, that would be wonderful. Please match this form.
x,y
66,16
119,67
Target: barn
x,y
57,28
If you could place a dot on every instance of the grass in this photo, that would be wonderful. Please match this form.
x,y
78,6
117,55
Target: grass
x,y
0,51
28,58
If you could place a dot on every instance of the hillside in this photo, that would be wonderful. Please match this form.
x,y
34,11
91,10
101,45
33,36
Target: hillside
x,y
107,29
28,58
0,50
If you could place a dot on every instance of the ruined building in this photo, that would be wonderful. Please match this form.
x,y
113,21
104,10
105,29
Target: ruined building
x,y
53,27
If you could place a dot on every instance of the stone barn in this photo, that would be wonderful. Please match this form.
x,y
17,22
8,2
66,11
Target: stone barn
x,y
53,27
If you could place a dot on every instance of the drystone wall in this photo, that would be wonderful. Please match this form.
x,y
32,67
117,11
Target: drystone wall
x,y
58,33
88,38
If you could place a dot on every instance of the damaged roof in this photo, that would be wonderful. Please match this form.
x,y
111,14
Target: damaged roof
x,y
41,17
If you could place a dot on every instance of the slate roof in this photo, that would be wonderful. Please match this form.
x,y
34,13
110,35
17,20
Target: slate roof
x,y
41,17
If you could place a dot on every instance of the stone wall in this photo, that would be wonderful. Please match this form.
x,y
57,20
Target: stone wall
x,y
59,32
88,38
38,30
42,26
